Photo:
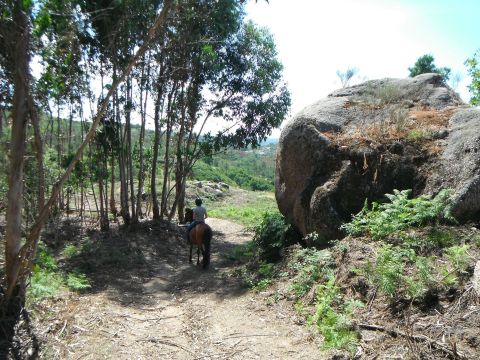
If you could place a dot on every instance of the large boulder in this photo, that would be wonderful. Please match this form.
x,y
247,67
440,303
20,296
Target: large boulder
x,y
366,140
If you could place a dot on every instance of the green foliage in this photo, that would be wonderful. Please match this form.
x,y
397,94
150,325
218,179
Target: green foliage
x,y
458,256
205,172
425,243
44,283
245,215
250,169
70,250
387,272
399,214
273,235
418,134
388,269
249,212
44,259
334,325
473,69
47,279
242,251
311,266
78,282
425,64
422,278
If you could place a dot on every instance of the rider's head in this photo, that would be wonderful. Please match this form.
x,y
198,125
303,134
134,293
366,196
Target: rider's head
x,y
198,201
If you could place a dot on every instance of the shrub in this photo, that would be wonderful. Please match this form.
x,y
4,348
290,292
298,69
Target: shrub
x,y
76,281
70,251
44,283
310,265
398,214
388,269
273,235
387,272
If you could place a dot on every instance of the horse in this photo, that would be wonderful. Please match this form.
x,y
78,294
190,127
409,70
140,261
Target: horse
x,y
201,236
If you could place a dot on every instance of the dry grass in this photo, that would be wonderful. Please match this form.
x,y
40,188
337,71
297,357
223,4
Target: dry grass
x,y
416,125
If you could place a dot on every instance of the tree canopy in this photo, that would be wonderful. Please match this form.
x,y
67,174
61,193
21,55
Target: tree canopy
x,y
473,68
425,64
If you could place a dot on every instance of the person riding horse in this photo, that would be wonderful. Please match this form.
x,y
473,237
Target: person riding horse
x,y
199,233
199,215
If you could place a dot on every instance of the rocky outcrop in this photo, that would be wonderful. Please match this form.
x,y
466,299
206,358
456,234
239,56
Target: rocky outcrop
x,y
364,141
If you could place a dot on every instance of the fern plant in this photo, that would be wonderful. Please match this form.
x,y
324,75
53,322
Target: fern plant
x,y
399,213
334,325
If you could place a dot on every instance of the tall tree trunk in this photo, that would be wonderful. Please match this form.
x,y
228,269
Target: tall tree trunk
x,y
143,113
166,165
124,209
179,166
19,265
129,144
38,144
156,145
2,116
13,229
113,207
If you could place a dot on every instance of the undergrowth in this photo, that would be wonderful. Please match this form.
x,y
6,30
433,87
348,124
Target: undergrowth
x,y
399,213
332,317
48,279
413,259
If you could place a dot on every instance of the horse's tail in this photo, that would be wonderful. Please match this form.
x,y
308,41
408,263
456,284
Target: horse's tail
x,y
207,238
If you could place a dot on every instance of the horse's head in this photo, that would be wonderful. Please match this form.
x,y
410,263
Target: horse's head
x,y
188,215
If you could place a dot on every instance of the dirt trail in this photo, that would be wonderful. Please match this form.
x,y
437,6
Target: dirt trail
x,y
180,311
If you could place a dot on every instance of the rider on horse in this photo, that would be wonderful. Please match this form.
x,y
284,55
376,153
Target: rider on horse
x,y
199,215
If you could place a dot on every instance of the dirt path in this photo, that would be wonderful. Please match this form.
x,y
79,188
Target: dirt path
x,y
179,311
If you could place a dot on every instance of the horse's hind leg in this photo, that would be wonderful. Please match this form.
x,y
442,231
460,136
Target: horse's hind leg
x,y
191,248
198,255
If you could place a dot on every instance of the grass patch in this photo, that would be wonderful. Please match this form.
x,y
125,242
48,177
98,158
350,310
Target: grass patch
x,y
248,212
241,252
419,135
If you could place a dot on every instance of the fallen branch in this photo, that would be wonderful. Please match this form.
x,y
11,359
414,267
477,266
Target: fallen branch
x,y
169,343
252,335
423,338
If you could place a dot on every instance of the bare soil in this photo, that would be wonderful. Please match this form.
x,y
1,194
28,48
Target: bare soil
x,y
163,307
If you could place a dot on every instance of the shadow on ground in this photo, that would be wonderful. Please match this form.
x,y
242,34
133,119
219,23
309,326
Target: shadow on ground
x,y
136,265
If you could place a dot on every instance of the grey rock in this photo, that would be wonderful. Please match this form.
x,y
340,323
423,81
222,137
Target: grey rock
x,y
459,165
320,184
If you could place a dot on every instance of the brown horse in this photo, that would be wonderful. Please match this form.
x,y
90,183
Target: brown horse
x,y
201,236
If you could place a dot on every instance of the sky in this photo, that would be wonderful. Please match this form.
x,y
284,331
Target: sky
x,y
381,38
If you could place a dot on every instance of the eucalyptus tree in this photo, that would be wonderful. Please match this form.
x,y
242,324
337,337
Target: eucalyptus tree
x,y
228,71
118,27
60,36
15,28
15,44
